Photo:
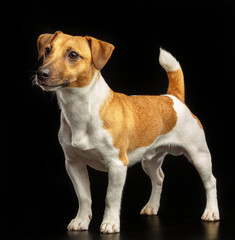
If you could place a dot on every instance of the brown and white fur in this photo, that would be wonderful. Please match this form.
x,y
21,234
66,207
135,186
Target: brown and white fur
x,y
110,131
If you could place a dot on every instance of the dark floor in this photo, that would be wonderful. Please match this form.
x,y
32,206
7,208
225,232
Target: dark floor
x,y
175,225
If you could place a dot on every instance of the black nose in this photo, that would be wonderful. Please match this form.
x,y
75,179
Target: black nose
x,y
43,74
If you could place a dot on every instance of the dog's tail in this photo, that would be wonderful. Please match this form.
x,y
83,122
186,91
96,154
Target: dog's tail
x,y
174,73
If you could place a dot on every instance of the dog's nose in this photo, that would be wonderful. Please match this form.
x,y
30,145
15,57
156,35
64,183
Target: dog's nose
x,y
43,74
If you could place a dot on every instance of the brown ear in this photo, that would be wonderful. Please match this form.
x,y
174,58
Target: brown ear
x,y
100,51
43,40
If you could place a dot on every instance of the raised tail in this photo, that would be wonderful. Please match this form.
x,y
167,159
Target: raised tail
x,y
174,73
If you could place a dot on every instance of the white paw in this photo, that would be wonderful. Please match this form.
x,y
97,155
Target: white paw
x,y
110,226
79,224
210,215
149,210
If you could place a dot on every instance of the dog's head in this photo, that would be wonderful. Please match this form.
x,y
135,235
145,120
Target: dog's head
x,y
70,61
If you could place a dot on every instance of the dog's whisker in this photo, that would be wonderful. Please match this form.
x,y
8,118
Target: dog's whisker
x,y
33,80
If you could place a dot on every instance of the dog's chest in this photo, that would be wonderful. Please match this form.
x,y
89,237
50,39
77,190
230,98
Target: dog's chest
x,y
82,136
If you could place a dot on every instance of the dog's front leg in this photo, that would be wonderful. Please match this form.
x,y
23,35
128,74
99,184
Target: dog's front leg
x,y
78,174
111,219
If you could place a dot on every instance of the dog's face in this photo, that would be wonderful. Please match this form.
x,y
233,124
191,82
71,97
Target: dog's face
x,y
70,61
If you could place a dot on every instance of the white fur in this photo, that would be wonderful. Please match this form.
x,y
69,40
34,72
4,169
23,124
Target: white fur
x,y
167,61
86,142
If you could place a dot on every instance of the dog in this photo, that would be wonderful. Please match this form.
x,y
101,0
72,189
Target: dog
x,y
111,131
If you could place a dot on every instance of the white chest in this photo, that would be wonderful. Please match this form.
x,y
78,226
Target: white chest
x,y
92,144
81,133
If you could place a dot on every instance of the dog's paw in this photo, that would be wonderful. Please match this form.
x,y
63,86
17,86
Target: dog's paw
x,y
210,215
149,210
110,226
79,224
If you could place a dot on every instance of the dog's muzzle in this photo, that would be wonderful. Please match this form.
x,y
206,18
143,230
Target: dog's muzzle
x,y
43,79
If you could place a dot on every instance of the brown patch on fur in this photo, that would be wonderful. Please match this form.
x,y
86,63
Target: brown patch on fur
x,y
176,84
136,121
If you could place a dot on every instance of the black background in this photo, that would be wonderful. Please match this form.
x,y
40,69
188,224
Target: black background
x,y
37,198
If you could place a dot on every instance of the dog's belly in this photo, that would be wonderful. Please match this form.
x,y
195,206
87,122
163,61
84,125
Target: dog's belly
x,y
164,144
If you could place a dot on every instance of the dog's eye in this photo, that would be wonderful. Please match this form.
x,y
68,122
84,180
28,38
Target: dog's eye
x,y
73,55
47,51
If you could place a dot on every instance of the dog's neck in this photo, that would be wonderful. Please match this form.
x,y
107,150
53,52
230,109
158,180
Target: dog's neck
x,y
84,98
80,106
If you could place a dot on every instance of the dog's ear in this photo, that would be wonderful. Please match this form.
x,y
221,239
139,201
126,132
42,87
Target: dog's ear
x,y
100,51
43,40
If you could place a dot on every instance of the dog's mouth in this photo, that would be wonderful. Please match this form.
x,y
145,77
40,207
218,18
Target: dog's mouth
x,y
50,87
65,84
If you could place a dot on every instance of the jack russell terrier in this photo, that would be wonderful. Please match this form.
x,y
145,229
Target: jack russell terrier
x,y
111,131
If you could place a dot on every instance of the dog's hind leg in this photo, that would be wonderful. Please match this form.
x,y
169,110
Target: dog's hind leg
x,y
201,159
153,169
189,134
